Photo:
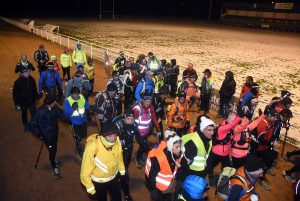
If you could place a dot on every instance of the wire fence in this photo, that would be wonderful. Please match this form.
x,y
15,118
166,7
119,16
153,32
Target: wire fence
x,y
98,52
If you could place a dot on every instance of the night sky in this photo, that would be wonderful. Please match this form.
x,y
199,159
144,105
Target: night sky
x,y
178,8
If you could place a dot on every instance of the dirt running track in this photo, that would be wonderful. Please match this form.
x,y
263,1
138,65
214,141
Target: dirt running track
x,y
18,149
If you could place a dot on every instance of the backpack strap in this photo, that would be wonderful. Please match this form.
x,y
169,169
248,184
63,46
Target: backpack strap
x,y
243,180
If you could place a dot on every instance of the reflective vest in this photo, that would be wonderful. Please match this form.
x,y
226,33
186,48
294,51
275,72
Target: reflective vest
x,y
79,55
158,82
144,119
235,181
153,64
80,102
181,198
65,60
199,162
165,175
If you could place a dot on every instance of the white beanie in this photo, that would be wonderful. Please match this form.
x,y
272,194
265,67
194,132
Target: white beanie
x,y
206,122
171,137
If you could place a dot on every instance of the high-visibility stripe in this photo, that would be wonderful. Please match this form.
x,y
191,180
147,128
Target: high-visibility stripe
x,y
165,175
97,179
198,164
81,111
100,165
162,181
122,171
90,189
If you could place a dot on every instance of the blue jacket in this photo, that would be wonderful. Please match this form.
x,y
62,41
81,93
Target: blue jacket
x,y
68,110
50,78
246,98
149,89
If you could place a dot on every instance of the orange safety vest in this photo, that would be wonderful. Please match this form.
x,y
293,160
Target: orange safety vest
x,y
235,181
165,175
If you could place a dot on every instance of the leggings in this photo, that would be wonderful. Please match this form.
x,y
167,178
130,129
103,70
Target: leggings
x,y
52,148
66,70
113,187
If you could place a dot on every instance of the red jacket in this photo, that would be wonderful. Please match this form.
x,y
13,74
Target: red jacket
x,y
264,134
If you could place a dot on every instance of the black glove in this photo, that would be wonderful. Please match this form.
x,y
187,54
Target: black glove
x,y
123,179
75,106
287,126
94,196
188,124
154,194
267,109
68,121
192,98
240,111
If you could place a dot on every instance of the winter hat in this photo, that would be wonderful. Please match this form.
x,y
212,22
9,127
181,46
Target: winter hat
x,y
194,186
206,122
128,112
286,101
49,99
173,61
50,65
150,54
253,164
121,53
75,90
285,93
272,113
78,45
181,94
254,89
115,73
23,56
111,87
109,129
171,137
149,72
147,97
163,90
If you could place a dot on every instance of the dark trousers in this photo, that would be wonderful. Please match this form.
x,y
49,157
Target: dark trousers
x,y
127,159
52,148
173,89
141,150
113,187
224,106
128,98
24,109
205,102
238,162
266,156
66,71
295,168
180,131
214,159
119,108
90,92
293,153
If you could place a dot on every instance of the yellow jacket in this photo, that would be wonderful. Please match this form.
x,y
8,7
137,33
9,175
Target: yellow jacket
x,y
65,60
79,56
102,168
89,70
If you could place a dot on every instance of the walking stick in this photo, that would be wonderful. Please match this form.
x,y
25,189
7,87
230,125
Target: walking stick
x,y
286,131
38,158
77,141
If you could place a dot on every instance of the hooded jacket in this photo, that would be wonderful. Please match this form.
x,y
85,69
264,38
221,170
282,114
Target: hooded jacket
x,y
228,86
24,91
149,89
190,89
178,114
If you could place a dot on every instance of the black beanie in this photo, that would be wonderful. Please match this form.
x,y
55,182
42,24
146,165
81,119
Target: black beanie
x,y
49,99
109,129
111,87
128,112
253,163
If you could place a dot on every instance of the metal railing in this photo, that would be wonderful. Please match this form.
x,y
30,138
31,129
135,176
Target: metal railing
x,y
97,52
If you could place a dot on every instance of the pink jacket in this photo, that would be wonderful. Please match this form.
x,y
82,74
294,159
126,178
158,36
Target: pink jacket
x,y
223,150
235,151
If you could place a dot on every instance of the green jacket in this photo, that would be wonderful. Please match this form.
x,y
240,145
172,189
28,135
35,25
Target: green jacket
x,y
79,56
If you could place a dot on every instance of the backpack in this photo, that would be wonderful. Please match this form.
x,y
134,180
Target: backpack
x,y
254,138
96,100
91,138
215,137
222,187
144,85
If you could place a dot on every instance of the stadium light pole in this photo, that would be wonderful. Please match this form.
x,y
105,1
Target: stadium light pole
x,y
209,10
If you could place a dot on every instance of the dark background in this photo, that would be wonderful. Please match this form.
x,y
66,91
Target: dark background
x,y
196,9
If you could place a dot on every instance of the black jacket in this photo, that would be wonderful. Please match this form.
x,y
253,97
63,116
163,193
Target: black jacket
x,y
25,91
44,122
20,65
41,55
159,106
105,104
228,86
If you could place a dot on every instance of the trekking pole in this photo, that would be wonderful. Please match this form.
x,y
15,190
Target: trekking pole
x,y
38,158
77,142
286,131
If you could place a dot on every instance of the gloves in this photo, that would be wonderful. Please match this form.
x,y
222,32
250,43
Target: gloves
x,y
192,98
188,124
94,196
240,111
169,128
287,126
75,106
153,194
158,134
123,179
40,95
68,121
267,109
17,107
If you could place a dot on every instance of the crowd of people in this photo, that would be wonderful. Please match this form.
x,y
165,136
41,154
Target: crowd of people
x,y
133,105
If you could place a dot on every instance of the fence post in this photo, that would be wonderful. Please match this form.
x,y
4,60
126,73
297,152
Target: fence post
x,y
68,42
59,40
